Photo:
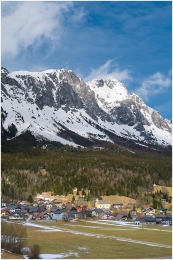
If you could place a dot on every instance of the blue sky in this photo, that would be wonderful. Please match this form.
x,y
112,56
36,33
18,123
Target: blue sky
x,y
131,41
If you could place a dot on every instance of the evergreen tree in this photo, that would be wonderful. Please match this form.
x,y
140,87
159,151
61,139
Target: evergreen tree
x,y
73,199
84,193
129,216
88,196
30,199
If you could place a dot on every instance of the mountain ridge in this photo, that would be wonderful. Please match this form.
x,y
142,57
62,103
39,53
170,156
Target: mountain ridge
x,y
46,103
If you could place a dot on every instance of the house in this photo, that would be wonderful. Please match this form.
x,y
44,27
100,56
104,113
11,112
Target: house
x,y
79,209
145,220
74,214
5,212
164,211
71,208
57,215
42,209
54,209
16,216
17,209
12,209
117,205
83,213
121,216
3,204
33,210
111,217
48,206
54,200
40,196
40,201
107,211
97,212
158,218
22,202
25,207
41,216
63,206
68,204
58,204
34,216
149,211
164,220
100,204
71,214
133,212
93,199
104,216
81,200
167,221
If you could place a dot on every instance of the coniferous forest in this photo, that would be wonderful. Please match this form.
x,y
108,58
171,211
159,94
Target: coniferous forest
x,y
28,169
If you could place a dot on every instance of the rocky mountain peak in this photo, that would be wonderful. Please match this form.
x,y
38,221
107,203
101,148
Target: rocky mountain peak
x,y
4,71
53,102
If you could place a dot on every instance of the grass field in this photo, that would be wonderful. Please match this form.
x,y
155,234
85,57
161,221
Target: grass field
x,y
89,240
7,255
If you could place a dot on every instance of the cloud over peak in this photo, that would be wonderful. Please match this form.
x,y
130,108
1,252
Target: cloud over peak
x,y
107,70
154,85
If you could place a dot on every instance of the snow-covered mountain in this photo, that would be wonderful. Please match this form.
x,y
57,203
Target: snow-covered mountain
x,y
56,105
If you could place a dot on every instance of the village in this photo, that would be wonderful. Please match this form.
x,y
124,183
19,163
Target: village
x,y
53,209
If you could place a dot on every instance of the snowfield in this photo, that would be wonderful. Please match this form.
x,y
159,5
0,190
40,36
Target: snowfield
x,y
22,91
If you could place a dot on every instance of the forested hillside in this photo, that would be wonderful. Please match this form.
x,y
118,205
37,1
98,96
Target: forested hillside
x,y
27,171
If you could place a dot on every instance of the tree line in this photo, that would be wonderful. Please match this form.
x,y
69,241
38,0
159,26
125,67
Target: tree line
x,y
25,173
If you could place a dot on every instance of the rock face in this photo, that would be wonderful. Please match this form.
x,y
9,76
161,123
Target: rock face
x,y
51,102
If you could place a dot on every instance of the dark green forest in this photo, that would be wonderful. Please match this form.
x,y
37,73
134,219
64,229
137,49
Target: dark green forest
x,y
26,171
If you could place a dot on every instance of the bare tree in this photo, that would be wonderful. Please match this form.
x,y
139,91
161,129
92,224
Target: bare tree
x,y
13,237
34,252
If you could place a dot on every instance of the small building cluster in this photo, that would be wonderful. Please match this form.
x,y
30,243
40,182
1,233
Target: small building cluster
x,y
46,209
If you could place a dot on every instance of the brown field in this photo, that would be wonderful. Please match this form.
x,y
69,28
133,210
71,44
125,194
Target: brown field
x,y
163,189
111,199
7,255
115,198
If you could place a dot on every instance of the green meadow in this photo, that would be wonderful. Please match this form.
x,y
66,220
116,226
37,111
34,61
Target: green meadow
x,y
98,241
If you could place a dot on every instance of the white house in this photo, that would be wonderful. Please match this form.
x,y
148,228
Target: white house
x,y
57,215
102,204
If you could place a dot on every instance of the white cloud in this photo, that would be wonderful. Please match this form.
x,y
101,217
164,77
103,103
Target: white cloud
x,y
27,24
109,70
153,85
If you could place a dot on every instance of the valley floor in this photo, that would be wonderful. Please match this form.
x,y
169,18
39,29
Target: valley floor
x,y
99,240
